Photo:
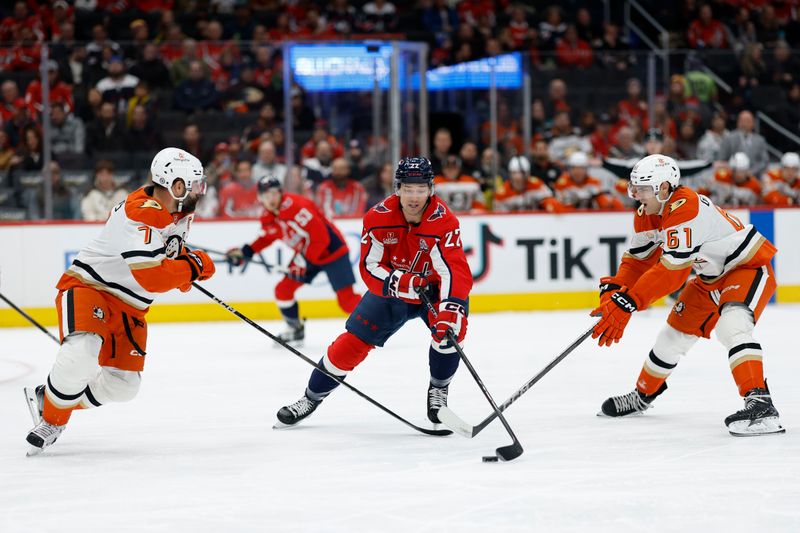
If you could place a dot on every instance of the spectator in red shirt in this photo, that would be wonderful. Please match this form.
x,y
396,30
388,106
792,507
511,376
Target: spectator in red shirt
x,y
572,51
519,27
320,133
341,196
706,31
22,18
59,92
11,100
240,197
633,107
601,136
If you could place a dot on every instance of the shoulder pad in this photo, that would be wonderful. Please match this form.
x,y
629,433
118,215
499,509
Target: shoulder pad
x,y
142,208
682,207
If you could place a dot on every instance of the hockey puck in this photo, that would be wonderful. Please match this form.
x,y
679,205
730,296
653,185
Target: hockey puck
x,y
490,459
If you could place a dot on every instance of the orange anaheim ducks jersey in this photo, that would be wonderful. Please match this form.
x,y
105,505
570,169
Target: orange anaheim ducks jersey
x,y
590,193
690,233
725,191
779,191
461,195
133,257
534,195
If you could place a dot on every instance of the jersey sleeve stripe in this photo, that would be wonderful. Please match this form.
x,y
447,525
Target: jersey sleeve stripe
x,y
144,253
443,269
372,261
682,255
144,264
639,250
116,286
745,243
675,266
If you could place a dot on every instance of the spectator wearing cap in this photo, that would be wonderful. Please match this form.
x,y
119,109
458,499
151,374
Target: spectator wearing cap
x,y
601,136
710,144
106,133
68,134
60,92
564,139
572,51
142,135
442,144
706,31
139,37
197,92
118,86
341,195
98,202
781,185
626,146
460,192
735,185
577,189
633,107
267,163
744,139
151,69
239,198
360,166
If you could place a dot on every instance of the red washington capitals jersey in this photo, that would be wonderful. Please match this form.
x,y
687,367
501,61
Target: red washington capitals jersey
x,y
300,224
431,249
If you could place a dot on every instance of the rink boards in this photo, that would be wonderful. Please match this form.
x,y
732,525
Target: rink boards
x,y
518,262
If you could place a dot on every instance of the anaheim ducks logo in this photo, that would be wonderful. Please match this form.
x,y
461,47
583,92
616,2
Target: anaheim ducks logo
x,y
150,203
676,204
173,246
679,307
640,210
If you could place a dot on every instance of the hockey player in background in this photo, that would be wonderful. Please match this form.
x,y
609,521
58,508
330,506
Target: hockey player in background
x,y
105,294
318,245
523,192
410,242
576,188
782,185
735,185
676,230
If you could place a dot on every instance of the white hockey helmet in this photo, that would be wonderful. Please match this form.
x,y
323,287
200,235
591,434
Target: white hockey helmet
x,y
519,164
652,171
790,160
578,159
739,161
171,164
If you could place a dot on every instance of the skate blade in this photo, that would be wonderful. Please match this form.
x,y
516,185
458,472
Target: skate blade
x,y
33,451
765,426
280,425
601,414
33,405
293,344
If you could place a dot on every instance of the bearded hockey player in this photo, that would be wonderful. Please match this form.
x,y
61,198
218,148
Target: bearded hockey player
x,y
677,230
410,242
105,294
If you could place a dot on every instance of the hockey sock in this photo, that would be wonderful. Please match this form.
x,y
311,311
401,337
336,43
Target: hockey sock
x,y
443,366
344,354
667,351
735,331
291,315
320,384
56,415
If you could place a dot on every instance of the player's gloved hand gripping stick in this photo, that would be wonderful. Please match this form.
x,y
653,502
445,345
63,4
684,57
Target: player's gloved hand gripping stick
x,y
270,268
505,453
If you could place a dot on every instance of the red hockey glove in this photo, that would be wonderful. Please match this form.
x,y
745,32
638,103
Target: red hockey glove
x,y
616,313
452,315
201,264
607,287
403,285
236,257
297,269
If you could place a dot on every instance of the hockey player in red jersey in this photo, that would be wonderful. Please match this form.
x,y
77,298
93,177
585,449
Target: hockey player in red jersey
x,y
318,245
677,230
410,242
105,294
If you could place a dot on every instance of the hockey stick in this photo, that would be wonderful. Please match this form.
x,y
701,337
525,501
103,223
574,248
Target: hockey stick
x,y
269,267
28,317
505,453
434,432
451,420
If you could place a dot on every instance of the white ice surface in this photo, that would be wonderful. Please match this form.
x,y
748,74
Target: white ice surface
x,y
195,450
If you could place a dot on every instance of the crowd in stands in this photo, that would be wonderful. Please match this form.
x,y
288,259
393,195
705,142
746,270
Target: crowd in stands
x,y
127,78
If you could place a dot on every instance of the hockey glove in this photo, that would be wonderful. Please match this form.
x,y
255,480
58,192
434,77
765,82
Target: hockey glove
x,y
200,263
607,287
296,272
452,316
615,313
236,257
403,285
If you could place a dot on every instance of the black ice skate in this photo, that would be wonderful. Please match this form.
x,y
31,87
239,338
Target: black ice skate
x,y
759,416
437,398
42,436
294,334
290,415
629,404
35,399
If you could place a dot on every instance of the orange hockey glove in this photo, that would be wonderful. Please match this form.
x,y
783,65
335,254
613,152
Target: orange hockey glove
x,y
607,287
615,313
201,264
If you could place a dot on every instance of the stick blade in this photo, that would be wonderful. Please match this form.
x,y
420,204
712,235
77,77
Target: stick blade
x,y
454,422
510,452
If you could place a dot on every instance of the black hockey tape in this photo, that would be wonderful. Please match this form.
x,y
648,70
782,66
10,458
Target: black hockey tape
x,y
490,459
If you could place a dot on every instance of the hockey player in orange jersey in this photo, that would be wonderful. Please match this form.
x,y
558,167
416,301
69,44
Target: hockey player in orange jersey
x,y
677,230
460,192
735,185
105,294
576,188
523,192
782,186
